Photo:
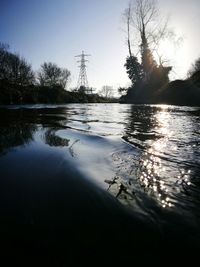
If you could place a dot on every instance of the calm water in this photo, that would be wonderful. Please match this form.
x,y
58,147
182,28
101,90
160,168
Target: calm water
x,y
105,160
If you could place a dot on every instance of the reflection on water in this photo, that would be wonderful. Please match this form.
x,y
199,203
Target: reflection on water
x,y
160,158
147,157
163,160
168,162
53,140
16,129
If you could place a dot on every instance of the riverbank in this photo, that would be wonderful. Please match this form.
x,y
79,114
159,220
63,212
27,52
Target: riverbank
x,y
178,92
35,94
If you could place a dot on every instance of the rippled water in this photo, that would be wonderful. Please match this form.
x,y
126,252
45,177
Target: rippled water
x,y
146,156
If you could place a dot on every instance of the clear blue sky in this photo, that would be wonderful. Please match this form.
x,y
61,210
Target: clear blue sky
x,y
57,30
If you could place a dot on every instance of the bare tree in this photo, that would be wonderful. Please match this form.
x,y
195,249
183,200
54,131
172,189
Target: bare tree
x,y
22,73
144,13
64,78
51,75
106,91
143,23
127,16
14,68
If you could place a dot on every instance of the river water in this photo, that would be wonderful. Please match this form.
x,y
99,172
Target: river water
x,y
103,159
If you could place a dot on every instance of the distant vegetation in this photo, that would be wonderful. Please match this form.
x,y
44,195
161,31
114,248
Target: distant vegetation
x,y
149,78
19,84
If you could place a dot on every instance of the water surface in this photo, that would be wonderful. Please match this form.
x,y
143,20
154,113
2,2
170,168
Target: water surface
x,y
101,164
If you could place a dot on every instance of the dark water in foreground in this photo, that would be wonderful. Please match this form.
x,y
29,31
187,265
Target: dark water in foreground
x,y
105,180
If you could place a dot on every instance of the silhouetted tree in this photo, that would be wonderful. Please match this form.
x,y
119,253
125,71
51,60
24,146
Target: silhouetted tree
x,y
146,75
21,72
127,18
144,13
51,75
143,23
134,69
14,69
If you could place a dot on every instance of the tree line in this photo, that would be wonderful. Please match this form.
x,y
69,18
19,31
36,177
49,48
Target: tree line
x,y
15,70
19,84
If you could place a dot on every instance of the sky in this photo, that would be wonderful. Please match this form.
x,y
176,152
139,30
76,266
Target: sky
x,y
57,30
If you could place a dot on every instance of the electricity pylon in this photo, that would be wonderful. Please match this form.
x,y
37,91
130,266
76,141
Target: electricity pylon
x,y
82,83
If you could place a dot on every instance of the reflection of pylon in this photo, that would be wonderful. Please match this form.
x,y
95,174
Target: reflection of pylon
x,y
82,79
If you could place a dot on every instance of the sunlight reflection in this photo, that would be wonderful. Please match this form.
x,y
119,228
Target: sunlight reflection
x,y
150,180
155,167
151,169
